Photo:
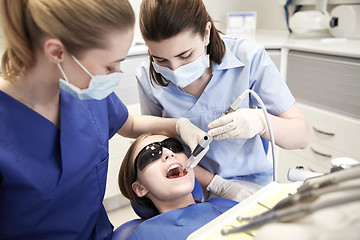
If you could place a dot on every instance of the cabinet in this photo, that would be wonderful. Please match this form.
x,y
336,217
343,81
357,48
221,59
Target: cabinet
x,y
327,91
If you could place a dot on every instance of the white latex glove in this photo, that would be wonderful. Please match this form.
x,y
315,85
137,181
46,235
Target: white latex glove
x,y
243,123
236,190
189,133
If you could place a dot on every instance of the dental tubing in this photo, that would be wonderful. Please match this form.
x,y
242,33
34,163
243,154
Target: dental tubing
x,y
206,140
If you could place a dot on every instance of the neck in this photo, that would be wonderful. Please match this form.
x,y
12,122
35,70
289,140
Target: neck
x,y
197,87
37,91
168,205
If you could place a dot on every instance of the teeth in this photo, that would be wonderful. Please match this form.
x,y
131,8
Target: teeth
x,y
173,167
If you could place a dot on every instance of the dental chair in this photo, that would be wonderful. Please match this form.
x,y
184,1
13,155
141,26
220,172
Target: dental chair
x,y
144,212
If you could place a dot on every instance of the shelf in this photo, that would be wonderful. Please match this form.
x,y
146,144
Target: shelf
x,y
313,2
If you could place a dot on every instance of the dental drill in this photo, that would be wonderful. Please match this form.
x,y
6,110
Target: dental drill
x,y
206,140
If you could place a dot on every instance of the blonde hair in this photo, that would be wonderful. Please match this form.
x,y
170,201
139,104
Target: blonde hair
x,y
127,175
78,24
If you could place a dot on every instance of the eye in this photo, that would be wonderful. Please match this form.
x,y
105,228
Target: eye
x,y
161,60
110,69
185,57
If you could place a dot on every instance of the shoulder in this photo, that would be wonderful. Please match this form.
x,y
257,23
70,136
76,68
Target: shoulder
x,y
242,47
142,72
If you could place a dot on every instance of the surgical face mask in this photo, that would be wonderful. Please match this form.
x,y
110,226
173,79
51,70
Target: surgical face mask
x,y
186,74
100,86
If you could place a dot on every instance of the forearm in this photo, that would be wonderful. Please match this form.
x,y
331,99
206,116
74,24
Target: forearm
x,y
140,124
289,133
203,176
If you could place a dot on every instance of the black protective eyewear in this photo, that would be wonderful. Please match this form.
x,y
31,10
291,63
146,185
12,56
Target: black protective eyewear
x,y
153,152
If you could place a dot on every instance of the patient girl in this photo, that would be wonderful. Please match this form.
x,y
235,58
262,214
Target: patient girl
x,y
150,175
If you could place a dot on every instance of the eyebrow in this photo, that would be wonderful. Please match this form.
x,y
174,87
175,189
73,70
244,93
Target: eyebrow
x,y
176,55
118,60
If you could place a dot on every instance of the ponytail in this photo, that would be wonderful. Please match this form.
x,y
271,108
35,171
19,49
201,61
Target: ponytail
x,y
18,54
26,23
216,48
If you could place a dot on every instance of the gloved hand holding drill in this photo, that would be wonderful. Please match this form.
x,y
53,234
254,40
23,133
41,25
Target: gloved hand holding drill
x,y
243,123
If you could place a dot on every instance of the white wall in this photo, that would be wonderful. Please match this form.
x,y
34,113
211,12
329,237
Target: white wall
x,y
270,13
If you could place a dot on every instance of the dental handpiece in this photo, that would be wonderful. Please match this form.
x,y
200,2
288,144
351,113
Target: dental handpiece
x,y
203,143
206,140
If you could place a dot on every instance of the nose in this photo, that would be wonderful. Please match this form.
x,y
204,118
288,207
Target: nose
x,y
174,65
167,154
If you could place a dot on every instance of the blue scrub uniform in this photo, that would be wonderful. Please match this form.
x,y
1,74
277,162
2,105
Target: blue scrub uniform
x,y
178,223
246,65
52,181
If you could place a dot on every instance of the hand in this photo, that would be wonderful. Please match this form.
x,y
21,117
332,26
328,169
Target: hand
x,y
189,133
243,123
236,190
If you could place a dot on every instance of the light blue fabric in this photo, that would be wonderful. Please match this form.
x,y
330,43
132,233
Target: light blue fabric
x,y
246,65
52,181
179,223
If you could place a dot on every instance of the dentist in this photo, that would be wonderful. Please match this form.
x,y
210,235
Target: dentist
x,y
58,111
196,73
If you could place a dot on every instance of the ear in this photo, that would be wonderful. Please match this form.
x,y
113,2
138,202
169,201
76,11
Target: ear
x,y
207,33
54,50
139,189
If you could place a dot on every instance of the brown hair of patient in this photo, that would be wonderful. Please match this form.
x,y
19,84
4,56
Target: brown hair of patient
x,y
127,175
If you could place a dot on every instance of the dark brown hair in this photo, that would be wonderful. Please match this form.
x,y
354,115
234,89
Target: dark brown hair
x,y
163,19
127,175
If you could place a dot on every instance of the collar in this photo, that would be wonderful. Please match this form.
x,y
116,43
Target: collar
x,y
230,60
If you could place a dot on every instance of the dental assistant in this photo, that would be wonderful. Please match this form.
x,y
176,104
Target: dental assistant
x,y
195,72
58,112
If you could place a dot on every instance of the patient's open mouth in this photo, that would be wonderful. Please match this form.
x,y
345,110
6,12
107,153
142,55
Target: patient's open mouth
x,y
174,171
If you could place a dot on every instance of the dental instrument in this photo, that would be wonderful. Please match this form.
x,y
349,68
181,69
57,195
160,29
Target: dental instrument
x,y
303,202
206,140
193,160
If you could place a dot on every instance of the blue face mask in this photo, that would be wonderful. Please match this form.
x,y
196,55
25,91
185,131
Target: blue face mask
x,y
186,74
100,86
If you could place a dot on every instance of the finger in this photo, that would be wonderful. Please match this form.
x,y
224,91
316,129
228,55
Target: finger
x,y
221,121
227,135
222,129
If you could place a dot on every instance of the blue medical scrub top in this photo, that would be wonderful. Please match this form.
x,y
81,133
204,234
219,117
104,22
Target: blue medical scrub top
x,y
52,181
246,65
178,223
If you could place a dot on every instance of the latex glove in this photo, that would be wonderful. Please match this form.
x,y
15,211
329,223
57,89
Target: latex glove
x,y
243,123
236,190
189,133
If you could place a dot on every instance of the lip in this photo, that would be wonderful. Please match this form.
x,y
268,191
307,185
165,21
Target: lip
x,y
168,166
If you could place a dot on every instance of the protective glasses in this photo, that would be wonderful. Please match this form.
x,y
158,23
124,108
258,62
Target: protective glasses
x,y
153,152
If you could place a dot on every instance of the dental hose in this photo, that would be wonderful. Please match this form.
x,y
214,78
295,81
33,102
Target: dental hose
x,y
206,140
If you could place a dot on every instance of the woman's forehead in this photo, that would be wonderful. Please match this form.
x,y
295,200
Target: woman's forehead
x,y
174,45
